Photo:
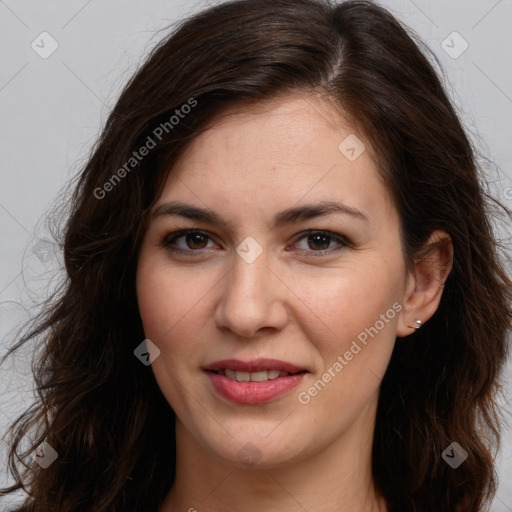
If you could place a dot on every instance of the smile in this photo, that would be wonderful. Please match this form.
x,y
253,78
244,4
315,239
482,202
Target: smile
x,y
260,376
253,382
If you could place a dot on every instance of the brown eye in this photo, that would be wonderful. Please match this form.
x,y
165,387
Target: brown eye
x,y
319,243
193,240
190,241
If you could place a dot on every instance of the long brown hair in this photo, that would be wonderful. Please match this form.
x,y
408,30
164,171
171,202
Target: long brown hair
x,y
102,410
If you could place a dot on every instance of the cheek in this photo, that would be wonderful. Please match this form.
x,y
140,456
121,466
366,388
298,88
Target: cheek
x,y
358,312
343,306
167,296
176,316
169,306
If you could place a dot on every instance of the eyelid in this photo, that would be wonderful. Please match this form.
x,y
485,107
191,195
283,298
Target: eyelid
x,y
343,242
171,237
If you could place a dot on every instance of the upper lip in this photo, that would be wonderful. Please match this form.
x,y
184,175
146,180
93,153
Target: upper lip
x,y
255,365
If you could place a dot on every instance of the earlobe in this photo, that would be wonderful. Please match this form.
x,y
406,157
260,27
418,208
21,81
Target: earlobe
x,y
425,283
417,324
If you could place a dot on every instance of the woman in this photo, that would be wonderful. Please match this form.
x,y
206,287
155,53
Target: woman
x,y
283,289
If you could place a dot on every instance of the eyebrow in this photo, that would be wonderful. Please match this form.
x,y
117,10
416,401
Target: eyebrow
x,y
288,216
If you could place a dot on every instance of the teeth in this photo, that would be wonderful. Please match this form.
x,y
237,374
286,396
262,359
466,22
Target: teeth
x,y
260,376
242,376
230,374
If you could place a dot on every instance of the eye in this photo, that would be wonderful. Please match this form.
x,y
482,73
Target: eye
x,y
194,241
322,240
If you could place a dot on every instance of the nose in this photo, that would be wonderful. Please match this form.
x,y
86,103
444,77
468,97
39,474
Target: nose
x,y
253,298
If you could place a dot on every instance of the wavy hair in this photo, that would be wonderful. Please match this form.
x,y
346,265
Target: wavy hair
x,y
102,410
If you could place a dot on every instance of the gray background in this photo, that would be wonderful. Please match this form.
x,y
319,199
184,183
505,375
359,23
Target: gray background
x,y
52,109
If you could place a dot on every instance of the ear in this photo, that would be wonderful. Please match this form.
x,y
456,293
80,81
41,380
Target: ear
x,y
425,283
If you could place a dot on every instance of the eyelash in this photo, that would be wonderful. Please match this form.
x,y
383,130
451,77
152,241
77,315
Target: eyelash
x,y
172,237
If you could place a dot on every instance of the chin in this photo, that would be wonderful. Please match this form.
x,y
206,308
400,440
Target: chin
x,y
256,450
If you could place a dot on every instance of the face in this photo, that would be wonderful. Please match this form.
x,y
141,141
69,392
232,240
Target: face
x,y
277,287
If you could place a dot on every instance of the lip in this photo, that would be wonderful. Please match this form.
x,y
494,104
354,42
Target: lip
x,y
253,392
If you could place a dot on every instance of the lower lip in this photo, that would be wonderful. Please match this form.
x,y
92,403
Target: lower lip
x,y
253,392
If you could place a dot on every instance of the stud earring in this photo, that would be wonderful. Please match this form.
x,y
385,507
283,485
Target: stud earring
x,y
418,324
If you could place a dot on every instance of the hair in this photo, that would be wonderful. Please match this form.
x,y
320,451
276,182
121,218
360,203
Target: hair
x,y
102,410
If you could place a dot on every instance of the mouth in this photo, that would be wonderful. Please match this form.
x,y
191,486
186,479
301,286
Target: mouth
x,y
253,382
260,376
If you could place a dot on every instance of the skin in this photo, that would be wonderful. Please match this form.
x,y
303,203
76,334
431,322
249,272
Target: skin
x,y
288,304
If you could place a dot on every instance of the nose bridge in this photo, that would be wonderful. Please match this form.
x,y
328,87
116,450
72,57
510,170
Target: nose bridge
x,y
249,276
250,298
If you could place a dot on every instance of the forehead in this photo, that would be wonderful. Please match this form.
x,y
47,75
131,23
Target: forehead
x,y
294,129
285,150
